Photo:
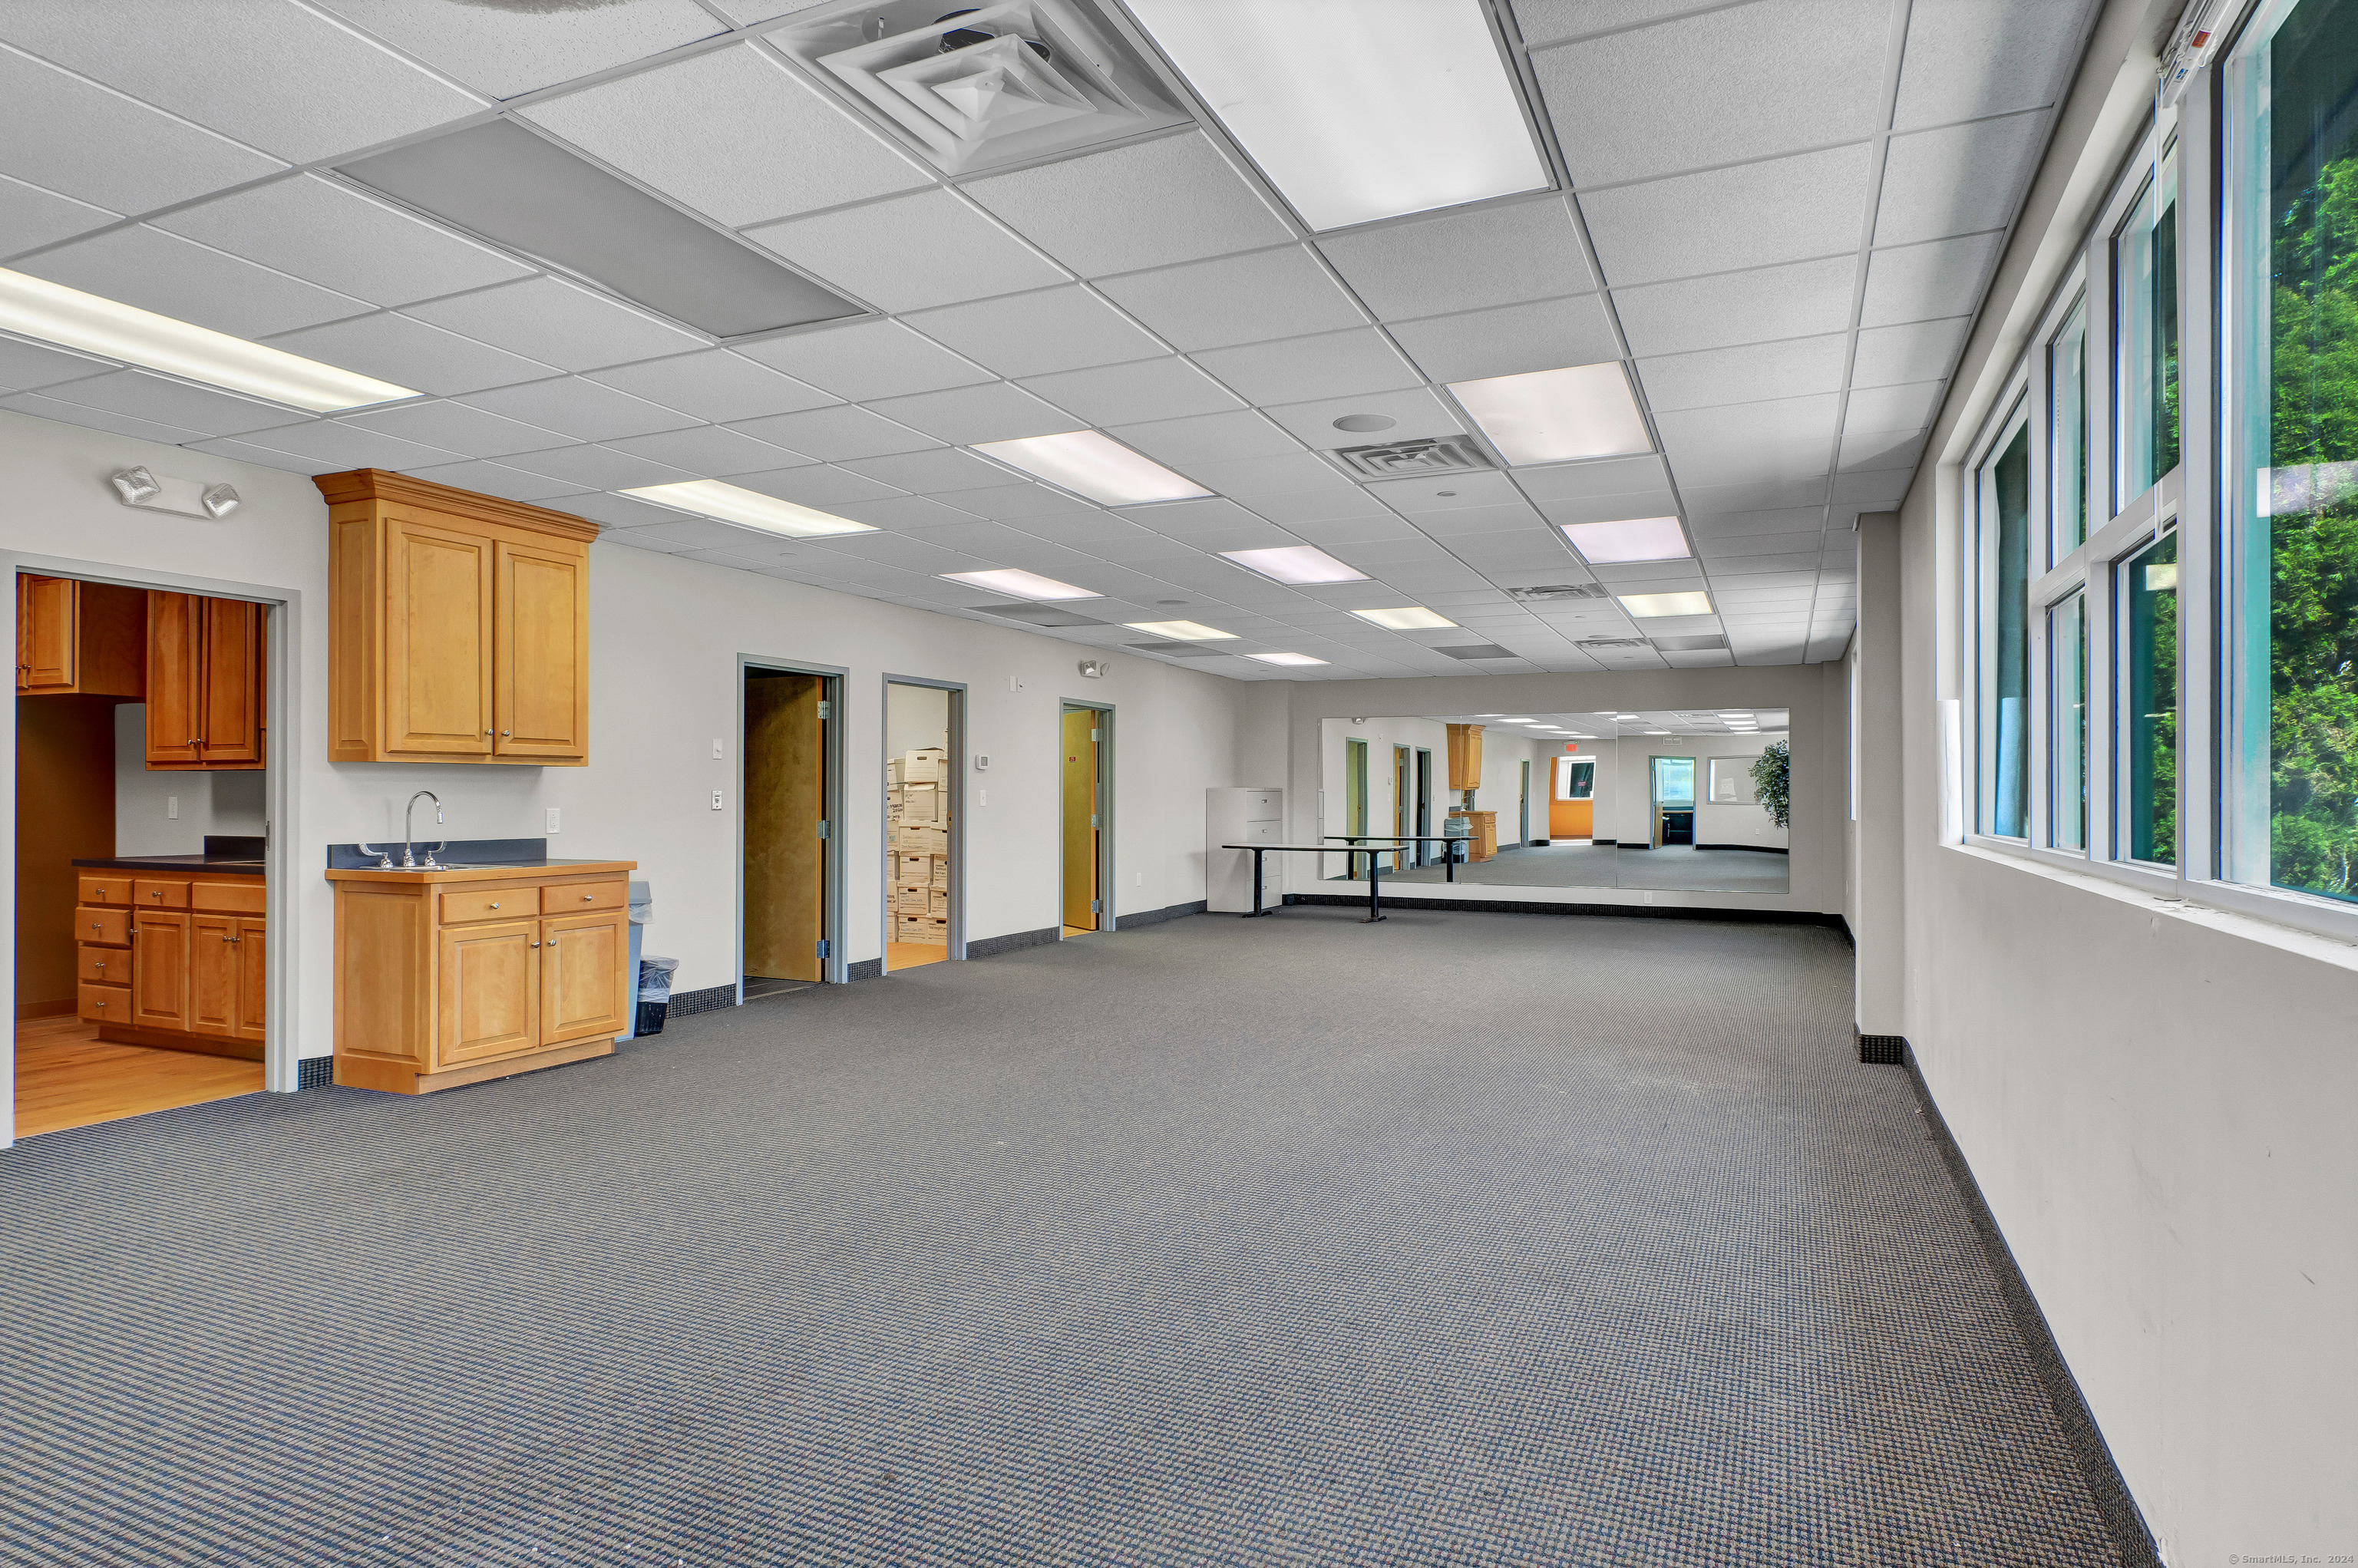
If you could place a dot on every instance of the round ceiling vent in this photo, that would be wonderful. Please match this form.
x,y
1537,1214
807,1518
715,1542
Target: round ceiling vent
x,y
1359,424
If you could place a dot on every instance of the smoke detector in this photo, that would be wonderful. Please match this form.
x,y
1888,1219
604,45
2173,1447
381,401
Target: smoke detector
x,y
1408,459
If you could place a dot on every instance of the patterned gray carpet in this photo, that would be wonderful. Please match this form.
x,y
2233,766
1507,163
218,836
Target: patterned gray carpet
x,y
1465,1238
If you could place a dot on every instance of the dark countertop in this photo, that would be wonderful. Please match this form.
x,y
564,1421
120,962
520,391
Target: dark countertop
x,y
173,863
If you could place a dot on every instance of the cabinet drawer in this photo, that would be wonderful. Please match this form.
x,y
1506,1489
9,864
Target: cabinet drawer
x,y
105,890
488,903
104,1004
584,898
149,893
229,898
1261,805
102,965
108,927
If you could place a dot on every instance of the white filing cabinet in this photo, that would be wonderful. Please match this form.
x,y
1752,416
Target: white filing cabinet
x,y
1243,815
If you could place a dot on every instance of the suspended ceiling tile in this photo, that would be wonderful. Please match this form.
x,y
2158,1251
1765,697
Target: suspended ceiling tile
x,y
1296,369
498,479
1879,487
1918,351
24,366
1602,476
1969,58
557,323
1922,283
501,52
273,75
1806,542
1959,179
911,252
901,511
1777,78
409,352
964,415
31,217
1017,502
1800,299
1609,508
83,142
816,484
685,533
1780,520
180,279
245,452
837,434
1514,517
1906,407
173,403
324,233
1167,388
1748,373
1753,495
939,472
1038,334
455,428
1546,334
1249,479
582,409
1465,261
1207,438
714,384
1236,299
1759,214
600,467
707,451
1328,513
867,360
1868,450
709,129
1416,414
1173,199
1414,498
42,406
330,446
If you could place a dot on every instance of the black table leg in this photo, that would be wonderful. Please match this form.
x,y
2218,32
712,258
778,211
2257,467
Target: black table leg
x,y
1255,909
1375,910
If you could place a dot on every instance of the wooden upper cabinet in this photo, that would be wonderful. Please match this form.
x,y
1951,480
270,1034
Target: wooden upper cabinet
x,y
74,637
204,683
1464,756
176,678
457,625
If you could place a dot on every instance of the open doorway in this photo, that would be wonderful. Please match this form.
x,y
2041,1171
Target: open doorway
x,y
1424,853
142,978
1087,817
923,804
1571,802
788,745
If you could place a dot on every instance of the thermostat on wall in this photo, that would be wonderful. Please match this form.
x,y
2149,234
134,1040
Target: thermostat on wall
x,y
982,762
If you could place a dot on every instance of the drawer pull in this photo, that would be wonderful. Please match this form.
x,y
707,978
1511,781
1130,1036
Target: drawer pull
x,y
589,898
495,904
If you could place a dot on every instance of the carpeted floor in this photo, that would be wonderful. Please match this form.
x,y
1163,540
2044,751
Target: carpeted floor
x,y
1465,1238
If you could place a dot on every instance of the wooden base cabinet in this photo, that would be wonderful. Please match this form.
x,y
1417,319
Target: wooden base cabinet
x,y
174,959
450,977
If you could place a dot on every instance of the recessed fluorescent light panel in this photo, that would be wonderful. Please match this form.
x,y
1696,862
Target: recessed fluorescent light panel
x,y
751,508
1357,110
1696,603
1095,466
1285,658
1557,415
1407,618
1294,564
1184,630
35,308
1629,539
1023,585
523,192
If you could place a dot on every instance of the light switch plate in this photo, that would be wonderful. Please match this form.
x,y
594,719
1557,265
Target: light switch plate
x,y
716,750
172,807
552,819
716,800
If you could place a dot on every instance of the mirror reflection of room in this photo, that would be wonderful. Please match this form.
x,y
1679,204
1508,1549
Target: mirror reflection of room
x,y
1676,800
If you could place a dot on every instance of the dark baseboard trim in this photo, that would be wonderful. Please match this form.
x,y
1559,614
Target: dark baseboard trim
x,y
1157,917
1756,849
711,998
2122,1517
1882,1049
866,969
315,1072
1014,941
1609,911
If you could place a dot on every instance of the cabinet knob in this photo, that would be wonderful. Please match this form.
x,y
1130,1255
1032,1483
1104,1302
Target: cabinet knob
x,y
487,733
589,898
536,944
495,904
504,733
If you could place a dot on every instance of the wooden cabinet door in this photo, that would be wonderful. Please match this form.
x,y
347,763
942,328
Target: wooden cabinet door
x,y
489,992
540,639
47,635
582,984
159,968
438,641
230,689
253,989
212,975
176,676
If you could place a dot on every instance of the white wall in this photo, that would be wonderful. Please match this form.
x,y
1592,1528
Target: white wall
x,y
210,803
2156,1099
661,694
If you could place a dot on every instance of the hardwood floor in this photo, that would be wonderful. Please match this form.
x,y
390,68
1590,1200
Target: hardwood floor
x,y
66,1076
1078,931
908,955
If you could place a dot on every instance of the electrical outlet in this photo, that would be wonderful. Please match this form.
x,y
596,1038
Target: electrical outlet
x,y
982,797
172,808
716,800
1015,683
716,750
552,819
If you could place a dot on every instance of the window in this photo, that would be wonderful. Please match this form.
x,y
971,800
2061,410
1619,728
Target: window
x,y
2291,748
2067,437
2067,708
2145,271
1575,779
2149,724
1674,781
2004,519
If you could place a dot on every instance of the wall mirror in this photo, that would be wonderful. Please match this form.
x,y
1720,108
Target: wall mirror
x,y
1694,800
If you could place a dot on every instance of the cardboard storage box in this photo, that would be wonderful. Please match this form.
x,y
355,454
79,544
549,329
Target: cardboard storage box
x,y
923,841
927,766
941,875
913,870
921,803
939,905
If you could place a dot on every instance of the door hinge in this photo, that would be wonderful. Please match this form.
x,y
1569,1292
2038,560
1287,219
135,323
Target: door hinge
x,y
1093,819
826,709
1097,906
1095,735
822,946
822,827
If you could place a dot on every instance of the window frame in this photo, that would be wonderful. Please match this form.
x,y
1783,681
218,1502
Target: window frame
x,y
1981,568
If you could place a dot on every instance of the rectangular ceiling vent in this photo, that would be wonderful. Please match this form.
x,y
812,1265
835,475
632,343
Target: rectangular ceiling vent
x,y
1561,591
1408,459
1694,645
981,86
1034,615
1178,650
1480,651
1612,642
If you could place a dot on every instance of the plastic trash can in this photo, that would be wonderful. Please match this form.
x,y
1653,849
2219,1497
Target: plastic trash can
x,y
642,910
654,993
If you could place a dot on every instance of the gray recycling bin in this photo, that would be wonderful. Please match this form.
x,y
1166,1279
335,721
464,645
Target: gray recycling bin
x,y
642,910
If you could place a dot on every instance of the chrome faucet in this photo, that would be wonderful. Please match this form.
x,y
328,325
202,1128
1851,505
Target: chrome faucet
x,y
409,861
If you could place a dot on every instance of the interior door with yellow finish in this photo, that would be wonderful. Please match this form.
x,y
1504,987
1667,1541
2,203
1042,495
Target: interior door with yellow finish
x,y
1084,842
785,802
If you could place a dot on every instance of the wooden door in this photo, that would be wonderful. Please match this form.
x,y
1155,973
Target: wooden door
x,y
438,640
214,978
488,1000
47,633
582,989
540,637
1082,815
1572,799
159,968
175,674
252,978
785,801
231,688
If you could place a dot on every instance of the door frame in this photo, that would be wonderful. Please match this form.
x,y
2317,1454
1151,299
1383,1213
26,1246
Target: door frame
x,y
282,713
1424,855
1523,806
957,783
834,681
1107,886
